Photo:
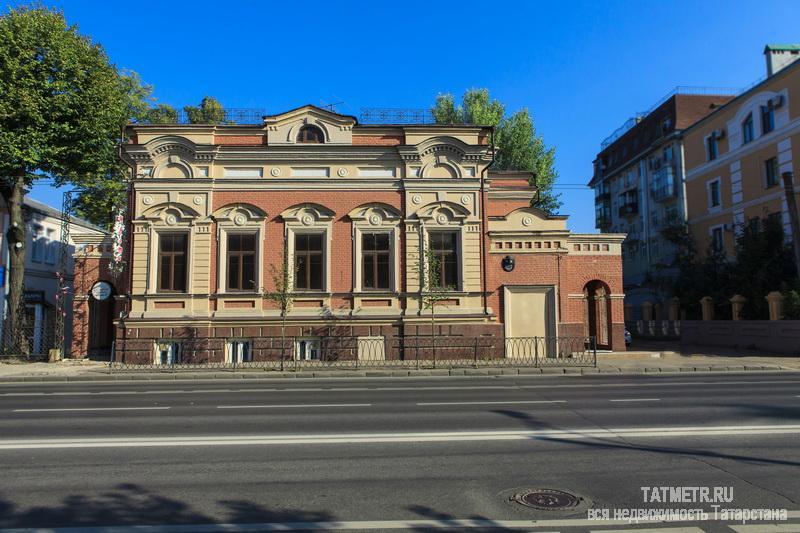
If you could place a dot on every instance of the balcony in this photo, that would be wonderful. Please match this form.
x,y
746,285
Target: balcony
x,y
603,197
628,210
602,220
664,184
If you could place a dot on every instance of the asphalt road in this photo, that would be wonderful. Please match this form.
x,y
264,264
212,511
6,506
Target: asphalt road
x,y
382,454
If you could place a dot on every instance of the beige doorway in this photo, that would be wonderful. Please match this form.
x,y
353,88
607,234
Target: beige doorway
x,y
530,320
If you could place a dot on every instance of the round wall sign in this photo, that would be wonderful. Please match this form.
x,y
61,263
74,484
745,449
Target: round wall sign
x,y
508,263
101,290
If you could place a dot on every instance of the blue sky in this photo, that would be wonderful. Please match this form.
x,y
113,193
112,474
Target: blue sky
x,y
581,68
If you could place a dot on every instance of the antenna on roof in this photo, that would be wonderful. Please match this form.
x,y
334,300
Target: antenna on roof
x,y
330,107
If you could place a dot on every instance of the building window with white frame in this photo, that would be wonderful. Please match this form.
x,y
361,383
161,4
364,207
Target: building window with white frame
x,y
771,172
747,129
172,252
444,247
167,352
712,150
241,264
307,349
38,244
309,261
767,118
376,269
714,195
238,351
717,239
51,247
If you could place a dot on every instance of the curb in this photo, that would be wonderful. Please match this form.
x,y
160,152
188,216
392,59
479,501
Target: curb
x,y
456,372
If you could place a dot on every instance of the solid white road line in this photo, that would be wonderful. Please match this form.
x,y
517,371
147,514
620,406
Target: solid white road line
x,y
366,525
653,530
407,388
314,405
636,400
55,410
766,528
492,403
370,438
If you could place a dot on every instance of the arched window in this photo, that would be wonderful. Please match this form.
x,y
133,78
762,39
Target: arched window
x,y
310,135
747,129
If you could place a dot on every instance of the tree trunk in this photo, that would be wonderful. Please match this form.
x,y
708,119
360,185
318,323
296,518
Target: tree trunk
x,y
283,337
433,331
15,337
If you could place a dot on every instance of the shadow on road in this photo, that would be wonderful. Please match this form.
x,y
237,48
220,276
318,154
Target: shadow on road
x,y
129,504
609,443
445,520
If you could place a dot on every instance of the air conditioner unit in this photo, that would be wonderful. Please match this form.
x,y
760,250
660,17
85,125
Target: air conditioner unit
x,y
719,134
727,227
776,101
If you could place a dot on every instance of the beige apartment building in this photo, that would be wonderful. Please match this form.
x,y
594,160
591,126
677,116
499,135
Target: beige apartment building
x,y
735,156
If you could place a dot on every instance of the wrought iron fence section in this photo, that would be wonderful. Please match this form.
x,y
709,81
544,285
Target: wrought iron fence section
x,y
232,115
349,352
394,115
34,342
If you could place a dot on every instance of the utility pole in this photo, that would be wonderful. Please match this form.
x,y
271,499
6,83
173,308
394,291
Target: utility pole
x,y
794,217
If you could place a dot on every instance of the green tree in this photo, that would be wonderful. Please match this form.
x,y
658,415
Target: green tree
x,y
162,114
101,194
210,111
519,146
282,295
63,106
763,263
432,292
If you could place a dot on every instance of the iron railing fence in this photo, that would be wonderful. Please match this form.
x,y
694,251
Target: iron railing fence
x,y
255,116
351,353
33,342
395,115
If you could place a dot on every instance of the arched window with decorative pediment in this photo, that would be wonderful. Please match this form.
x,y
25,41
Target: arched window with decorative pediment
x,y
308,234
240,227
170,226
375,247
443,234
310,134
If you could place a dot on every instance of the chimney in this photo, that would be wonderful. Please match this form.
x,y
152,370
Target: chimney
x,y
779,56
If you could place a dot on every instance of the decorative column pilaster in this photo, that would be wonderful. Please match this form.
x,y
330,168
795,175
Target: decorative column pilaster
x,y
707,307
775,303
737,303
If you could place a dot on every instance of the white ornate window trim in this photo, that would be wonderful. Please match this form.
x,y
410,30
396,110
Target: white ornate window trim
x,y
309,219
165,218
239,219
446,216
378,219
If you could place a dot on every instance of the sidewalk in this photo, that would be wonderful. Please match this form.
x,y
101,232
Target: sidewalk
x,y
648,358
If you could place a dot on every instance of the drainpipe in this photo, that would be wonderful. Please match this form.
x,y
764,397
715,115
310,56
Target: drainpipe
x,y
485,224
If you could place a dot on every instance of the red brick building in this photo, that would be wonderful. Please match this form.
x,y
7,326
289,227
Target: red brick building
x,y
355,212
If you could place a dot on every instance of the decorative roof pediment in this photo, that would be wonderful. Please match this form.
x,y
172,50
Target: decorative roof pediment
x,y
239,214
307,214
444,156
170,213
529,219
443,213
375,214
283,129
170,155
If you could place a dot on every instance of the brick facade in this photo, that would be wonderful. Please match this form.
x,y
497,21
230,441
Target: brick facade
x,y
408,181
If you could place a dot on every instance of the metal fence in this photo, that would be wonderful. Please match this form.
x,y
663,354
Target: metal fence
x,y
418,352
33,342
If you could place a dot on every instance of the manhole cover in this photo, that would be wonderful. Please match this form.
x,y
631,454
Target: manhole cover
x,y
547,499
